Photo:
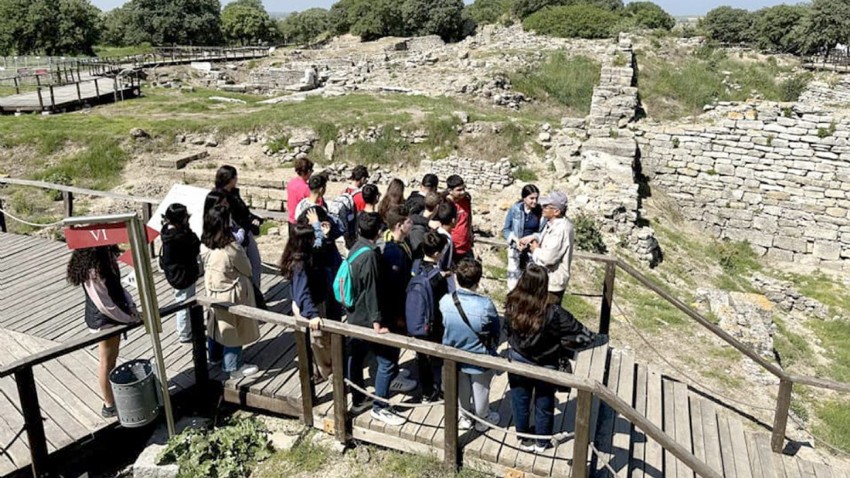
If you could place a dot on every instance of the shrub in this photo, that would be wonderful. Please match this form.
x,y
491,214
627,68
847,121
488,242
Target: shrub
x,y
793,87
567,81
737,257
578,21
649,15
229,451
588,236
525,174
489,11
728,25
780,28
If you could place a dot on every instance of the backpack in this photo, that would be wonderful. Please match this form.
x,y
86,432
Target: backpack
x,y
342,207
419,308
342,281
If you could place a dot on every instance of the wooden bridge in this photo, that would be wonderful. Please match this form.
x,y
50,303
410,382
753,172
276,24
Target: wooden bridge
x,y
621,416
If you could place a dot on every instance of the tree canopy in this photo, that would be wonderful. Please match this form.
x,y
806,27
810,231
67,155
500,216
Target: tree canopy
x,y
576,21
51,27
525,8
373,19
489,11
649,15
827,25
165,22
780,28
728,25
304,27
247,22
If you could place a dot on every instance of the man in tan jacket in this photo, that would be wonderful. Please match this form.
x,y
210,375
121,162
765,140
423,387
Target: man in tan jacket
x,y
554,248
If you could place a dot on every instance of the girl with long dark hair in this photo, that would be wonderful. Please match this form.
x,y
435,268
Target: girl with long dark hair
x,y
225,183
393,197
107,305
538,334
523,223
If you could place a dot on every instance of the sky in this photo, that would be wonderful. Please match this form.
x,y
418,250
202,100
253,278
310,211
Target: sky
x,y
674,7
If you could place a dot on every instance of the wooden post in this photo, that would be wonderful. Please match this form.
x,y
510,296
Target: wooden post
x,y
17,88
68,199
96,90
607,298
199,349
115,88
79,95
340,397
37,79
2,218
147,213
305,373
34,424
451,457
40,98
780,418
52,98
582,437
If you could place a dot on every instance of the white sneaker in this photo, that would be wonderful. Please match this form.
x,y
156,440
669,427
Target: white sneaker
x,y
246,370
402,385
464,423
389,417
491,417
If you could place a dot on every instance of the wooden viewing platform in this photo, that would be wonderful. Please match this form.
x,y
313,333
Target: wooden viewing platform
x,y
40,310
56,99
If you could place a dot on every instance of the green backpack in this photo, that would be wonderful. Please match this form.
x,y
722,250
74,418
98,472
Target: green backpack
x,y
342,282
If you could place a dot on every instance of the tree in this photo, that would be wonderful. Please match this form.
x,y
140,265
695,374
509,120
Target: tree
x,y
489,11
373,19
728,25
524,8
827,25
577,21
305,26
246,22
164,22
63,27
780,28
649,15
433,17
339,16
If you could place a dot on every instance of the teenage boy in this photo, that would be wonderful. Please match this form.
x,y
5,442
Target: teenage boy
x,y
318,185
462,233
446,217
421,224
396,266
554,250
366,312
298,189
416,200
359,177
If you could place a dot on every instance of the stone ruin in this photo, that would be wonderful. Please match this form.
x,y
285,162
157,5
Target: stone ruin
x,y
477,173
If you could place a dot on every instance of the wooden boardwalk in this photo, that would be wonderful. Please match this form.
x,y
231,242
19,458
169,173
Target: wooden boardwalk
x,y
32,268
67,97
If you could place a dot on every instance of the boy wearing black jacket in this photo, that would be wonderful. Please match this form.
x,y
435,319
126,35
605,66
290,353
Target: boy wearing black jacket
x,y
179,262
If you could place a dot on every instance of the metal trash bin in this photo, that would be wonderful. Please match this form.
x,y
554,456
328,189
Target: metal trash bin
x,y
134,386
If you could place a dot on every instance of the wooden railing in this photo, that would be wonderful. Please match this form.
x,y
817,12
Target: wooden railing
x,y
22,371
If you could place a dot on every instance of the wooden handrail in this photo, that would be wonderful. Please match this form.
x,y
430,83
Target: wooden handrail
x,y
452,354
83,342
76,190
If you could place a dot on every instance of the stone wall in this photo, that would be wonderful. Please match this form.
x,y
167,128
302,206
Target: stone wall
x,y
477,174
776,175
823,93
615,99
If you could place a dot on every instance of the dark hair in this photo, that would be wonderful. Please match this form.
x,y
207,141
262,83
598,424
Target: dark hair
x,y
224,175
303,166
393,197
454,181
468,272
217,228
430,181
298,251
214,198
433,243
370,194
528,190
525,307
369,225
321,213
359,173
397,215
446,213
317,181
100,260
432,200
176,215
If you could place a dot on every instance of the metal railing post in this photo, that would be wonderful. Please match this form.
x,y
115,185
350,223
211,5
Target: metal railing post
x,y
305,374
451,455
780,417
33,421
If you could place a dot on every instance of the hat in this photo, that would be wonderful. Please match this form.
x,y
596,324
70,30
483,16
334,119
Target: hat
x,y
359,172
454,181
555,198
430,181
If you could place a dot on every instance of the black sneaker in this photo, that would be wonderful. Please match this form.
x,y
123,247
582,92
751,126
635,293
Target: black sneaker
x,y
432,397
108,412
358,408
528,445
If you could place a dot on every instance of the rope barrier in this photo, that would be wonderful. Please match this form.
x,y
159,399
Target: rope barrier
x,y
604,462
394,404
32,224
555,439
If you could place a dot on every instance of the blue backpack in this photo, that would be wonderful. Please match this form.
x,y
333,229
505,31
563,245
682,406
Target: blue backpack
x,y
419,306
342,282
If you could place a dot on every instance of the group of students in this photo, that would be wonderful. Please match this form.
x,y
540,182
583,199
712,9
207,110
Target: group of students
x,y
410,269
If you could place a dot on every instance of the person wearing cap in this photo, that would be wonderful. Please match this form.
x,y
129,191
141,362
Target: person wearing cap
x,y
359,178
462,232
554,248
298,189
318,185
416,201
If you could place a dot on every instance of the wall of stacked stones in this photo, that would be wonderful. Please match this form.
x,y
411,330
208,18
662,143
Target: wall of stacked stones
x,y
772,175
478,174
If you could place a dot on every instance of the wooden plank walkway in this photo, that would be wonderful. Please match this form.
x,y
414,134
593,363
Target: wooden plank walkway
x,y
34,268
96,91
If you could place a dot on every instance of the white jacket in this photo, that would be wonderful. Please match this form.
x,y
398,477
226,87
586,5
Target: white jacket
x,y
556,252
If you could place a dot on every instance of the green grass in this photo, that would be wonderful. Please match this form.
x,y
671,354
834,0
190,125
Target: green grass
x,y
408,465
722,377
823,289
834,426
524,173
565,81
792,348
305,457
583,310
496,272
834,336
267,226
651,312
105,51
98,167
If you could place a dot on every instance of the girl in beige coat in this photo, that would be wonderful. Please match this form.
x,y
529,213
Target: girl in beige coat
x,y
227,278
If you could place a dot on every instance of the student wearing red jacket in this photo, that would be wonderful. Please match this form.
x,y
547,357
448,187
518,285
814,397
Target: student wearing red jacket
x,y
462,232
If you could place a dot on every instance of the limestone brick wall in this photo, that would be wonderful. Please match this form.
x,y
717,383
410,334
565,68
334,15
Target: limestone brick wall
x,y
776,175
478,174
615,98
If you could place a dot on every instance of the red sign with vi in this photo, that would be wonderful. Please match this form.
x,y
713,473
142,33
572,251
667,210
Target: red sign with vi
x,y
103,235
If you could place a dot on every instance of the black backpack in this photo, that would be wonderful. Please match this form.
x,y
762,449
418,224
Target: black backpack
x,y
419,307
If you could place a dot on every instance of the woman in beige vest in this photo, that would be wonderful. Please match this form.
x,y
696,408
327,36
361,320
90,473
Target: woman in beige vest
x,y
227,278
